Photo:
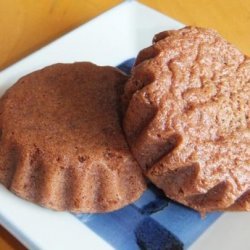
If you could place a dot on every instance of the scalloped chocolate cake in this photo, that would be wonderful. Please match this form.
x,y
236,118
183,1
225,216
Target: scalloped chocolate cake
x,y
62,144
187,107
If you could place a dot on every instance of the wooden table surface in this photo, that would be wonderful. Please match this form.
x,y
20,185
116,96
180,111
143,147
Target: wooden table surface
x,y
26,25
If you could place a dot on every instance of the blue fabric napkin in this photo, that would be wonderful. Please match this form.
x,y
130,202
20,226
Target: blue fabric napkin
x,y
152,223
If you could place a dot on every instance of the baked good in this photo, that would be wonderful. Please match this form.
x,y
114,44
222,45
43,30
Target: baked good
x,y
187,107
62,144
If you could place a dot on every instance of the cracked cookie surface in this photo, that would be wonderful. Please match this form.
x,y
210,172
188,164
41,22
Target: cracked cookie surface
x,y
187,107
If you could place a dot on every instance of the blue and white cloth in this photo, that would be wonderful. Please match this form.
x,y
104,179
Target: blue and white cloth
x,y
152,223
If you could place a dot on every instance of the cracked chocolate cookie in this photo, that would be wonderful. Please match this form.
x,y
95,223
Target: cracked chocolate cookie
x,y
187,107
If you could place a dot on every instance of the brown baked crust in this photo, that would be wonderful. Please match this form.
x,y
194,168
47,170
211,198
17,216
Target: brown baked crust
x,y
62,145
187,118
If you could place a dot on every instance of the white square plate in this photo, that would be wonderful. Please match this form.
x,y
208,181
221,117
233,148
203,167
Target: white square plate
x,y
107,40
